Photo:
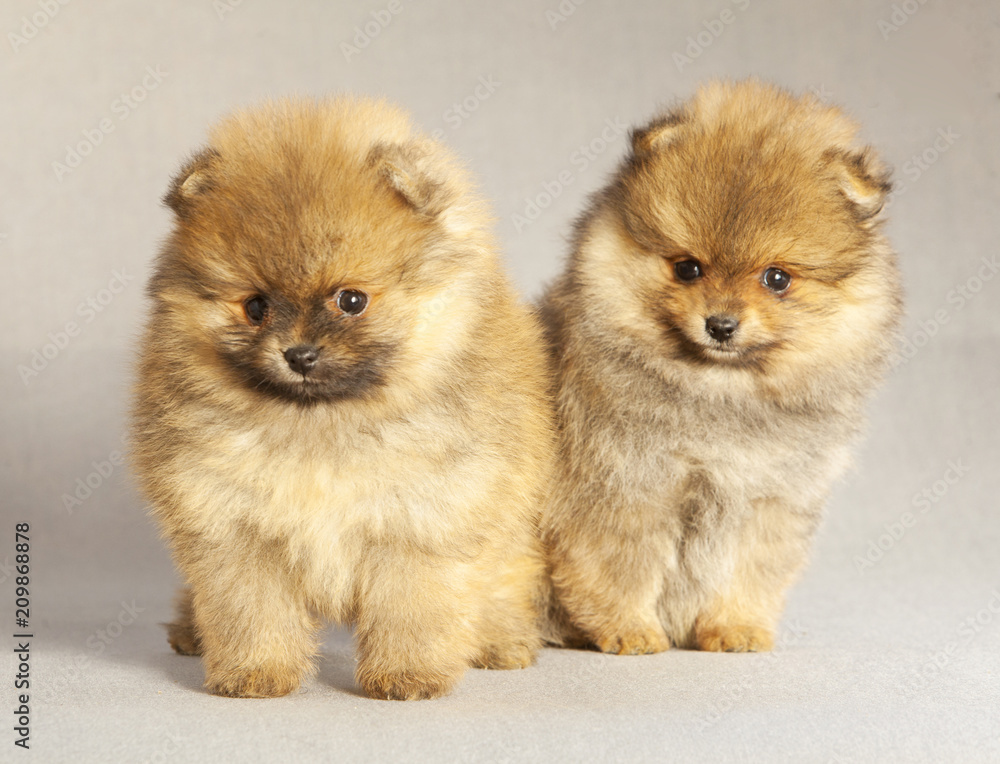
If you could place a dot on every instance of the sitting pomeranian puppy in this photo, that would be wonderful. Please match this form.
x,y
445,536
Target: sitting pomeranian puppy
x,y
728,305
343,411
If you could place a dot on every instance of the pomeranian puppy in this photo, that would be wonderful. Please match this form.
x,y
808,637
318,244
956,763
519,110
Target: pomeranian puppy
x,y
728,305
343,411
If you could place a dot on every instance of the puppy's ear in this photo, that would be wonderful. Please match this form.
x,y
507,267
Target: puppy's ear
x,y
658,134
409,170
194,179
863,180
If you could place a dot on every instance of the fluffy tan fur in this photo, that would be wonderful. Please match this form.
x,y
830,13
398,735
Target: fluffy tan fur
x,y
396,485
693,469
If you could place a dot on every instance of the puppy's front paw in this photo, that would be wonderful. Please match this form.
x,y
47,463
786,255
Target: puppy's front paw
x,y
183,638
253,683
405,685
636,640
739,638
511,656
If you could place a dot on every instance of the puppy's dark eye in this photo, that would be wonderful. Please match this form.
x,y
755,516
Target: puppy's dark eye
x,y
688,270
352,302
256,309
776,280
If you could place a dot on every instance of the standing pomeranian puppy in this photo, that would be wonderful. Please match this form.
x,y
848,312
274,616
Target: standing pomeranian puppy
x,y
729,304
342,410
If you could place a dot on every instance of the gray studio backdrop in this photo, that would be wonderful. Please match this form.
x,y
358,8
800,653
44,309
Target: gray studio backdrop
x,y
890,643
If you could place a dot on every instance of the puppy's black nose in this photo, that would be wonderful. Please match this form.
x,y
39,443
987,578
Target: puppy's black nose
x,y
302,358
721,327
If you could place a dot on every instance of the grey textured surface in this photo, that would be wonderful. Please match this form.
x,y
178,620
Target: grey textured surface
x,y
886,662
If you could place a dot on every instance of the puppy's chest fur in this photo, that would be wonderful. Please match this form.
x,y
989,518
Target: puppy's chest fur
x,y
685,454
319,480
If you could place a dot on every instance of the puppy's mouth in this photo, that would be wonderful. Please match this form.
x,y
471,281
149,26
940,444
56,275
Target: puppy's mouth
x,y
301,388
716,353
326,380
313,388
724,352
727,353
